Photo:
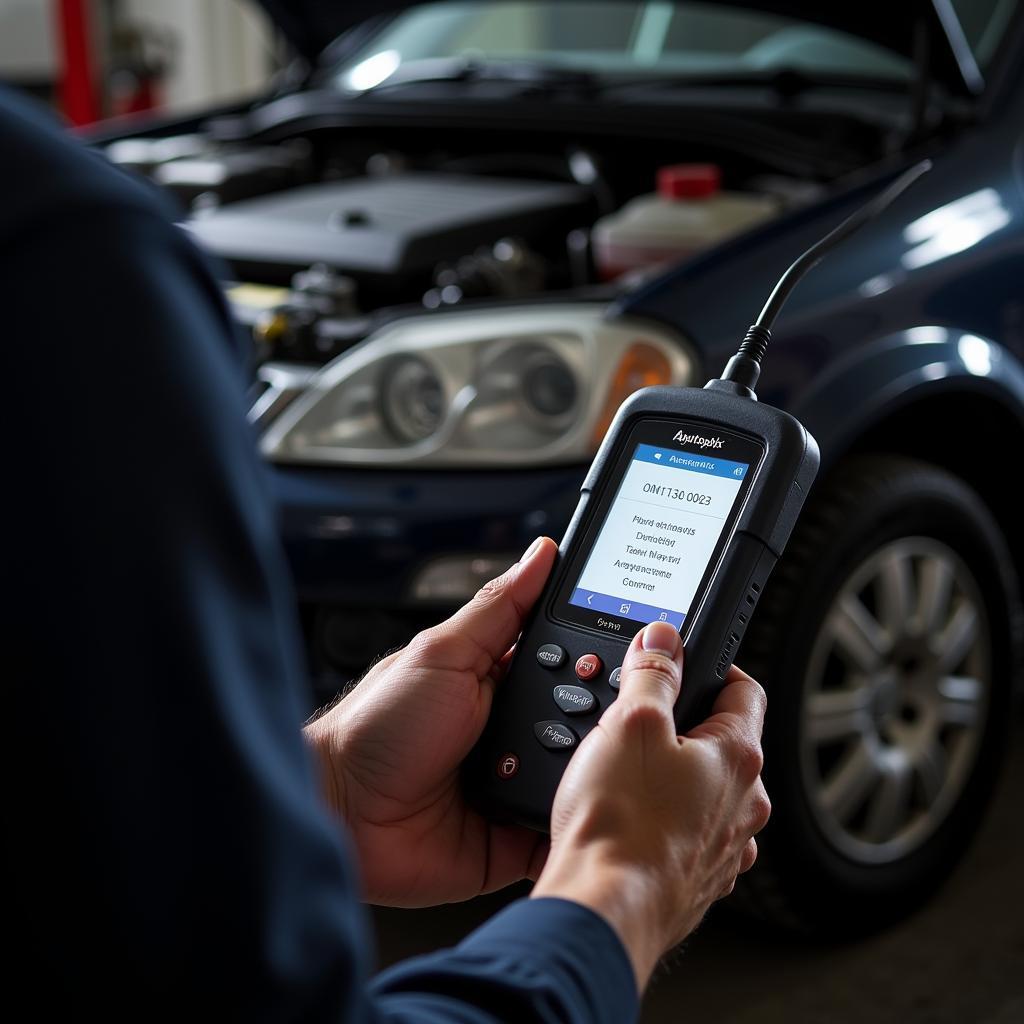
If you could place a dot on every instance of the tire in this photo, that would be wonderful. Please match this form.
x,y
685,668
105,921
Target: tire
x,y
877,533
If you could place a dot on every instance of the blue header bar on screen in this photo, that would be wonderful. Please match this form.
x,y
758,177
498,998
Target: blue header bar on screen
x,y
707,464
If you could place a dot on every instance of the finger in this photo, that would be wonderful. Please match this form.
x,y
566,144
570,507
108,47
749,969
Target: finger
x,y
493,619
498,671
748,856
738,712
502,667
760,808
743,696
744,864
652,670
513,853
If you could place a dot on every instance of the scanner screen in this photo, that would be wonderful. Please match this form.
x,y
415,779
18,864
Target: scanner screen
x,y
658,536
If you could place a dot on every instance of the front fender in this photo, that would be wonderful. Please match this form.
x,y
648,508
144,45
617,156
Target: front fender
x,y
872,382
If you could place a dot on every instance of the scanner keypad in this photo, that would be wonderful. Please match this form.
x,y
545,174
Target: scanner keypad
x,y
571,698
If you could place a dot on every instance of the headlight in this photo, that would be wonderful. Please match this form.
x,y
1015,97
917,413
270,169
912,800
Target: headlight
x,y
511,387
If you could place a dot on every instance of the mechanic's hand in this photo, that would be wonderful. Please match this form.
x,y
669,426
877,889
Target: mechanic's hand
x,y
391,752
648,828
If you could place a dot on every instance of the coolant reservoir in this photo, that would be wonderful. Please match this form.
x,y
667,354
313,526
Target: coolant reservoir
x,y
688,213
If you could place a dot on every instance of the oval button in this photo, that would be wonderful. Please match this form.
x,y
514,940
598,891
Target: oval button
x,y
588,666
574,700
613,679
555,736
551,655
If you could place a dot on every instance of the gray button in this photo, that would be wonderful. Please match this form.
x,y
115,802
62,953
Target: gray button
x,y
551,655
574,700
613,679
555,736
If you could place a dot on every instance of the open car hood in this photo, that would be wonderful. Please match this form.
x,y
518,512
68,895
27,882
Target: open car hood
x,y
312,25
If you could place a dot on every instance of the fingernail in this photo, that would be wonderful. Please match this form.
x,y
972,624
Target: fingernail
x,y
661,637
531,550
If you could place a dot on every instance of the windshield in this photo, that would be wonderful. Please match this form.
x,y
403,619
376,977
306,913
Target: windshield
x,y
612,39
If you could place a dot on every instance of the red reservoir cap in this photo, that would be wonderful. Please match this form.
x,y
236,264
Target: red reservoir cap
x,y
689,181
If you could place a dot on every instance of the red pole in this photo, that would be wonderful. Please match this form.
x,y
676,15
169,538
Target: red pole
x,y
78,81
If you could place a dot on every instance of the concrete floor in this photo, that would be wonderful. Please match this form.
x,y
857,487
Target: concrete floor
x,y
960,960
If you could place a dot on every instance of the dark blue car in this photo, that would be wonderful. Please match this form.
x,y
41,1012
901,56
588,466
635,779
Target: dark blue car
x,y
412,221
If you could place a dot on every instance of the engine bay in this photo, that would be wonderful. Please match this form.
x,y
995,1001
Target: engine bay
x,y
327,235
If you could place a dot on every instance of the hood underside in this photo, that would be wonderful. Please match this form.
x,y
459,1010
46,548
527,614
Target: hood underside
x,y
312,25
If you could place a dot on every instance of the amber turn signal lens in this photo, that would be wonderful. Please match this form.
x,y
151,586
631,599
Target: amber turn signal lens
x,y
270,327
641,366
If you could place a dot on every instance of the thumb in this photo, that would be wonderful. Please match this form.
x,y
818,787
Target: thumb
x,y
652,671
494,618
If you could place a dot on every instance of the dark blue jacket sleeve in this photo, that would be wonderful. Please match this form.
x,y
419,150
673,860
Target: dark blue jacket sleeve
x,y
546,960
169,852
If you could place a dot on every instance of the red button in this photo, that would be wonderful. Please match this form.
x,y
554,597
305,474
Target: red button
x,y
588,666
508,765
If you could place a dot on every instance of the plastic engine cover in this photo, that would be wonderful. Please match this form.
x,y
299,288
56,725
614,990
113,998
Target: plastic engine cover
x,y
402,225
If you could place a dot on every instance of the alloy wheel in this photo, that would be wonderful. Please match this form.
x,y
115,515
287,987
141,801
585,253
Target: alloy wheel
x,y
895,700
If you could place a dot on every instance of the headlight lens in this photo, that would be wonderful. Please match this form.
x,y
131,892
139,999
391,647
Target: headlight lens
x,y
513,387
548,385
412,398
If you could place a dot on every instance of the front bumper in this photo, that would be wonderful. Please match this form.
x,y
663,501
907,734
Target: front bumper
x,y
358,539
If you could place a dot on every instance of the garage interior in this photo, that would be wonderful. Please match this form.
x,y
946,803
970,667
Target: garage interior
x,y
107,67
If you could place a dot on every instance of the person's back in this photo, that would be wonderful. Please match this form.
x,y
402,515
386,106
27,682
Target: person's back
x,y
173,850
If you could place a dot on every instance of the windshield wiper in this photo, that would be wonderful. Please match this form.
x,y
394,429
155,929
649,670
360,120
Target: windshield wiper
x,y
786,82
529,74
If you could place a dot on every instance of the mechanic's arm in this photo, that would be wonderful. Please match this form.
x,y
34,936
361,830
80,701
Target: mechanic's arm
x,y
647,828
171,852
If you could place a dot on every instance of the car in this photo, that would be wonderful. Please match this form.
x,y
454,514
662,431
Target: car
x,y
427,229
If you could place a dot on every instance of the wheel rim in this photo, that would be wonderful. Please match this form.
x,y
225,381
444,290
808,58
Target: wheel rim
x,y
895,700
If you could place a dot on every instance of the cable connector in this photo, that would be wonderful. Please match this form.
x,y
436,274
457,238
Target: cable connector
x,y
745,367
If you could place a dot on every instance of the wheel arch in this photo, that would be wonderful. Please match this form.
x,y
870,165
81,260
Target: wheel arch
x,y
945,396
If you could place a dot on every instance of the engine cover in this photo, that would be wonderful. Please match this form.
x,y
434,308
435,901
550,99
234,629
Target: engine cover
x,y
399,226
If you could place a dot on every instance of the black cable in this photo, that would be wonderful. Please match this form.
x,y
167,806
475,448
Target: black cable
x,y
745,367
853,223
